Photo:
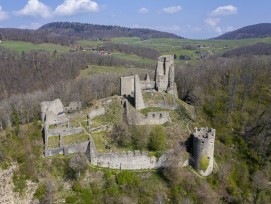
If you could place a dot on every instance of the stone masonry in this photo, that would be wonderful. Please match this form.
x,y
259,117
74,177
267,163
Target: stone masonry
x,y
203,148
132,87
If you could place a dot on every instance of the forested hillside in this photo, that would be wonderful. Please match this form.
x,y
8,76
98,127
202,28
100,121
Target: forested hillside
x,y
66,33
257,49
261,30
91,31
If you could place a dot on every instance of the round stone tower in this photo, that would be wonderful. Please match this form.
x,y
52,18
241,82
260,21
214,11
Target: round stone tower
x,y
203,150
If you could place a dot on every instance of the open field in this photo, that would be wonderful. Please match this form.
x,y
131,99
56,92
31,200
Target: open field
x,y
180,47
27,46
189,47
94,69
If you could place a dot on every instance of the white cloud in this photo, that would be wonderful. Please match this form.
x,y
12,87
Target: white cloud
x,y
212,22
31,26
212,25
143,10
3,14
35,8
172,9
224,10
72,7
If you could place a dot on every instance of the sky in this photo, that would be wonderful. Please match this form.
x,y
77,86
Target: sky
x,y
194,19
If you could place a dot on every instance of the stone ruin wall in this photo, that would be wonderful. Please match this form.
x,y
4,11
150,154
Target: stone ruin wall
x,y
82,147
96,112
154,118
73,106
127,160
64,131
139,101
127,86
147,85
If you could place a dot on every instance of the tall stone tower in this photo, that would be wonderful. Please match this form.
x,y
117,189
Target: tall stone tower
x,y
139,101
203,150
164,76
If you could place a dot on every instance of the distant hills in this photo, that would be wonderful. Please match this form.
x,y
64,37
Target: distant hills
x,y
91,31
261,30
257,49
66,33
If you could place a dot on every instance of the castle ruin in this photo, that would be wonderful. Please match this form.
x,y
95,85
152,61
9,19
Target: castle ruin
x,y
56,119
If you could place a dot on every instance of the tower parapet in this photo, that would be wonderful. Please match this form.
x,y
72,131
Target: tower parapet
x,y
203,150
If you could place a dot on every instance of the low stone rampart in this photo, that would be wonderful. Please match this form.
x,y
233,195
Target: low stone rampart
x,y
64,131
127,160
79,147
154,118
163,105
147,85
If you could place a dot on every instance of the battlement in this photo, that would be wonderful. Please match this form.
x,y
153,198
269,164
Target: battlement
x,y
204,133
127,160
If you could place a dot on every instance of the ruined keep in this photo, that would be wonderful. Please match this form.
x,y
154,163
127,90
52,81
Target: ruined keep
x,y
132,88
164,76
203,150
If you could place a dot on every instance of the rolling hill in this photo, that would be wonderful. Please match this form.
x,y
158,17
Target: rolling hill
x,y
261,30
66,33
91,31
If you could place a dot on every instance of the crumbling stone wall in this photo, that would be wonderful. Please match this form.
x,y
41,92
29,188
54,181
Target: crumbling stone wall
x,y
147,84
96,112
73,106
139,102
64,131
127,160
127,86
82,147
153,118
53,107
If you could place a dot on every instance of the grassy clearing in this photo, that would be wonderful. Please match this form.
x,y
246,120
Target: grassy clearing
x,y
102,139
89,43
53,141
126,40
179,46
94,69
132,57
113,114
27,46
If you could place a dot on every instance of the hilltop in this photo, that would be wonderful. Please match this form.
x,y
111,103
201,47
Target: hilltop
x,y
261,30
66,33
92,31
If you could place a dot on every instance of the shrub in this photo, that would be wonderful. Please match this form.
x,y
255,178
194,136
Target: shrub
x,y
157,139
127,178
121,134
40,192
140,137
79,163
204,163
19,183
